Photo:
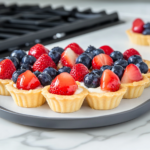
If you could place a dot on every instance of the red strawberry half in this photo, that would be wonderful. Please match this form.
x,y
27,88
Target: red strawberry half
x,y
63,84
137,25
37,50
27,81
109,81
7,68
130,52
131,74
68,58
75,47
43,62
101,60
78,72
107,49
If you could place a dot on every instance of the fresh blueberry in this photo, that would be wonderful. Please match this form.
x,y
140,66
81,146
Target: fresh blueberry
x,y
121,62
85,60
92,80
45,79
64,69
118,70
55,56
97,52
143,67
26,66
28,59
58,49
89,54
105,67
16,74
98,72
1,59
15,61
51,71
37,73
19,54
146,32
116,55
147,25
90,49
135,59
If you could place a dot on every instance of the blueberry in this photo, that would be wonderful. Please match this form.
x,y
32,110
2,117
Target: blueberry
x,y
147,25
146,32
97,72
51,71
97,52
16,74
89,54
105,67
64,69
28,59
55,56
85,60
134,59
45,79
118,70
116,55
26,66
58,49
1,59
90,49
92,80
143,67
37,73
121,62
15,61
19,54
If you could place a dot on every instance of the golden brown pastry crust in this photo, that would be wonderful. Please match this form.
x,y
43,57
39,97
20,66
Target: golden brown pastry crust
x,y
3,90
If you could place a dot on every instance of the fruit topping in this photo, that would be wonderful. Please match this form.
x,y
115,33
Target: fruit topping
x,y
51,71
37,73
75,47
63,84
146,25
1,59
15,61
45,79
107,49
55,56
27,81
57,49
116,55
78,72
137,25
19,54
7,68
43,62
118,70
135,59
143,67
109,81
121,62
64,69
28,59
16,74
90,49
38,50
97,72
97,52
146,32
92,80
26,67
105,67
101,60
131,74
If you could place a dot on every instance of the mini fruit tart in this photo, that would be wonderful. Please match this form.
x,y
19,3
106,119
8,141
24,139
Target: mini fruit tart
x,y
7,68
140,32
104,93
27,90
64,95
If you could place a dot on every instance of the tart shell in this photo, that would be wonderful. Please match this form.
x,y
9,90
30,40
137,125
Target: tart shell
x,y
147,74
64,104
3,90
26,98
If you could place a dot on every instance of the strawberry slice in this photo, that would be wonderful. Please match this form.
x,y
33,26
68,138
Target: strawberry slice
x,y
78,72
27,81
101,60
68,58
130,52
107,49
7,68
109,81
63,84
137,25
43,62
75,47
131,74
37,50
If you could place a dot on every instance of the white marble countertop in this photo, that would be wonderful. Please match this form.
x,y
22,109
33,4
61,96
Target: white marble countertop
x,y
132,135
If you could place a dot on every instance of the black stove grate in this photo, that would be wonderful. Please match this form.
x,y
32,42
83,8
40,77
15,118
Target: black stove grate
x,y
23,26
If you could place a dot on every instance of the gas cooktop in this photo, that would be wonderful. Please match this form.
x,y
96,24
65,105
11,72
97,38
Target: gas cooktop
x,y
23,26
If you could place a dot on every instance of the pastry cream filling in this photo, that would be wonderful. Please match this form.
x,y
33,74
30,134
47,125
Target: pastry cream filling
x,y
78,91
39,87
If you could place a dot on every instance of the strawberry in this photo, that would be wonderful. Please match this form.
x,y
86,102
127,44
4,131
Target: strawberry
x,y
43,62
131,74
63,84
7,68
37,50
78,72
130,52
107,49
101,60
75,47
27,81
68,58
137,25
109,81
